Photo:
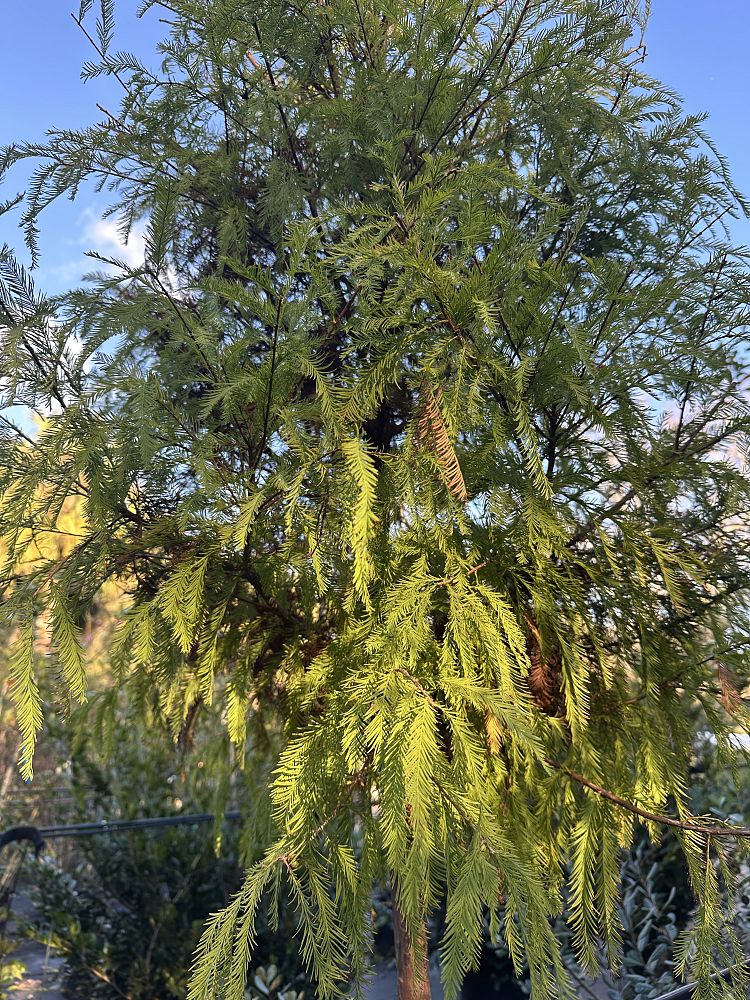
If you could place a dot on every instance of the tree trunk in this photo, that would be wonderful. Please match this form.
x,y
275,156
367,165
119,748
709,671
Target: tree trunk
x,y
413,973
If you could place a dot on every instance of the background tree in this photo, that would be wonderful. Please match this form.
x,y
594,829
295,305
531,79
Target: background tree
x,y
419,437
47,541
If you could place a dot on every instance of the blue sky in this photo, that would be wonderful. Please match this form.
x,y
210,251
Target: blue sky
x,y
697,47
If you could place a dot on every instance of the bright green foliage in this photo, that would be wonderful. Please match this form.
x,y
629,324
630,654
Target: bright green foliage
x,y
419,439
24,689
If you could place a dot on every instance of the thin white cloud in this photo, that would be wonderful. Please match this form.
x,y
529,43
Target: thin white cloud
x,y
102,236
92,233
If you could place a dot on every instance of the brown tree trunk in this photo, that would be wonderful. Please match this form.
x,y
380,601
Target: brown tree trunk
x,y
412,971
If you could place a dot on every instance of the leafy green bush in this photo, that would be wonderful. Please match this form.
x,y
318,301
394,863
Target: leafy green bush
x,y
128,918
656,905
268,984
128,908
11,970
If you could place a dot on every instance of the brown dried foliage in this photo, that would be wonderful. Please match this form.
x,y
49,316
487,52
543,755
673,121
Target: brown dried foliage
x,y
433,434
545,674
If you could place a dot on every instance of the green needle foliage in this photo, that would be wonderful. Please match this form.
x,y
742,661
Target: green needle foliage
x,y
418,440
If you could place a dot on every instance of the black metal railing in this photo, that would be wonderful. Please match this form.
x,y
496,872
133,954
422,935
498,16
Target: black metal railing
x,y
37,836
117,825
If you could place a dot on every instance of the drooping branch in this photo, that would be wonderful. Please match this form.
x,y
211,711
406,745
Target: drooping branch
x,y
689,825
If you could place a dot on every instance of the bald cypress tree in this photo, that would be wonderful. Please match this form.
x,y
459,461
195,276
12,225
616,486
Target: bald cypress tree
x,y
418,441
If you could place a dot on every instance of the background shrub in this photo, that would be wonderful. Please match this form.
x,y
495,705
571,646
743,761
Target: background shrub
x,y
127,908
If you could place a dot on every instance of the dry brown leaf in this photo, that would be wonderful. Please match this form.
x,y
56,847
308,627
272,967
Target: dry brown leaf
x,y
433,434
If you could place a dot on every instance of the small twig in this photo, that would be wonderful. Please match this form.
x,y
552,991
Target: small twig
x,y
291,138
113,118
115,74
345,310
271,374
653,817
447,580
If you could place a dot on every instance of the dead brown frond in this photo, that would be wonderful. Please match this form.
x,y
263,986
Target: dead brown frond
x,y
730,696
433,434
545,674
